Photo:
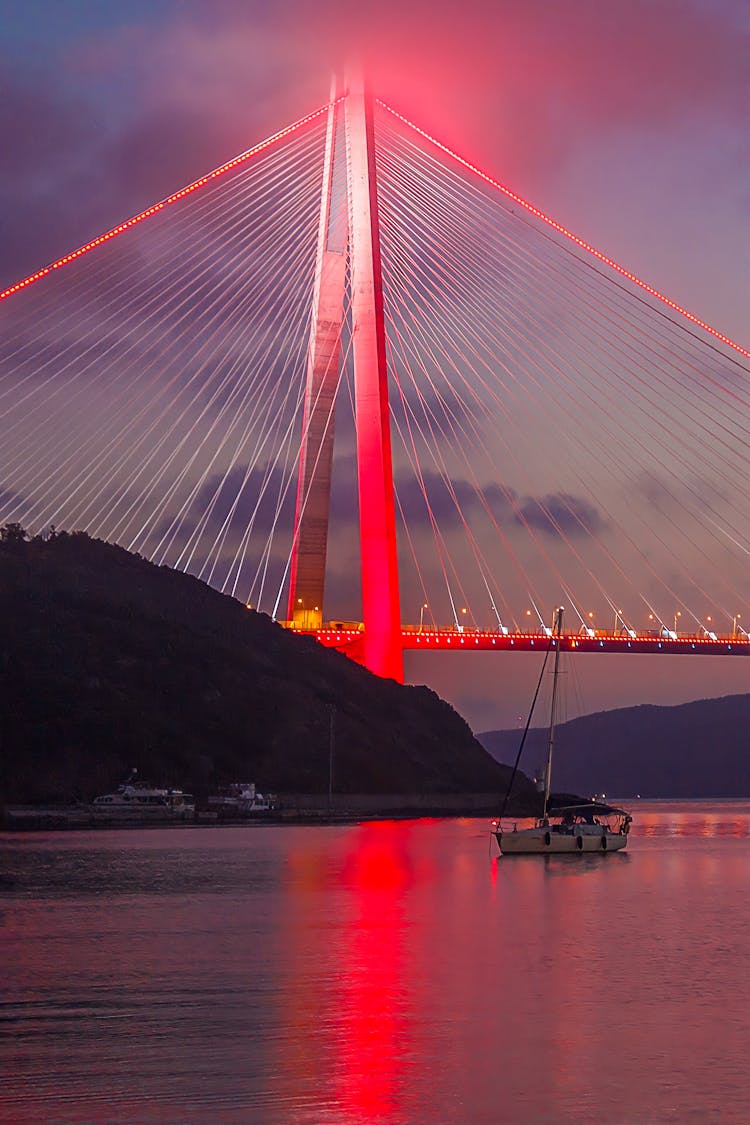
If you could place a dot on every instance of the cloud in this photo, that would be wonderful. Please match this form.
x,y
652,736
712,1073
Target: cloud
x,y
555,514
145,105
560,514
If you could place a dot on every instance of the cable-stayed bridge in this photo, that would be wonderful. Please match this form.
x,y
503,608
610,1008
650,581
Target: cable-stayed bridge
x,y
520,421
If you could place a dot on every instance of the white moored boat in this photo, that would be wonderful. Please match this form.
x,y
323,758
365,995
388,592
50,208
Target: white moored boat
x,y
134,800
563,829
241,798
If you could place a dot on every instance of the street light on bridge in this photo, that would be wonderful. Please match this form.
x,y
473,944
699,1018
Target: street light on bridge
x,y
677,616
422,608
735,619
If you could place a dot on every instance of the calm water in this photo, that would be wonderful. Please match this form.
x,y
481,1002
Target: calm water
x,y
391,972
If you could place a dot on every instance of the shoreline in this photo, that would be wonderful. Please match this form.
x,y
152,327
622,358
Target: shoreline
x,y
298,809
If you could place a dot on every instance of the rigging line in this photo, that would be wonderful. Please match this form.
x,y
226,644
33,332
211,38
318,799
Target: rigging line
x,y
471,416
112,420
694,458
581,243
290,472
295,331
444,475
696,496
159,305
471,195
526,728
440,463
173,487
223,531
422,266
148,372
245,539
272,344
440,543
204,355
240,555
303,498
452,422
510,498
606,335
549,514
107,271
462,250
521,518
249,468
170,199
412,550
342,366
149,408
589,532
140,468
271,466
120,356
414,459
466,243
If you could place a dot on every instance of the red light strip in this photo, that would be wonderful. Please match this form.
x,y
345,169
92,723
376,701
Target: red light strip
x,y
535,211
110,234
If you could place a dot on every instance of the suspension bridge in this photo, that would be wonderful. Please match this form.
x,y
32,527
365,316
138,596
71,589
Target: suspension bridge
x,y
519,420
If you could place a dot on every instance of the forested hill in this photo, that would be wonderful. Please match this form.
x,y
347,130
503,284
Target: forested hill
x,y
699,749
108,662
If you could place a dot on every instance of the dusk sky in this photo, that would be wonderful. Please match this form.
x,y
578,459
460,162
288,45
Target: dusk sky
x,y
626,121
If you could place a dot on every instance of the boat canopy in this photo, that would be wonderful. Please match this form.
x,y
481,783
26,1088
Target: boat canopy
x,y
587,810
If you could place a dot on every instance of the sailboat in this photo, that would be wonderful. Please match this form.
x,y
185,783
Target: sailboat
x,y
586,827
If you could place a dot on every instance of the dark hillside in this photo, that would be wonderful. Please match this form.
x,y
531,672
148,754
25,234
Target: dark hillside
x,y
109,662
699,749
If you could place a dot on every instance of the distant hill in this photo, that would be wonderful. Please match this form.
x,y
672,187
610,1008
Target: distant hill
x,y
109,662
695,750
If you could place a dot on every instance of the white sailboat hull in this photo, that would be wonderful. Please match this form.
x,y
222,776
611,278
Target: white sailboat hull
x,y
548,841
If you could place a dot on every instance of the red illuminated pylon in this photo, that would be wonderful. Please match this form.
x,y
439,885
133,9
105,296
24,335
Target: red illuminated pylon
x,y
380,592
308,562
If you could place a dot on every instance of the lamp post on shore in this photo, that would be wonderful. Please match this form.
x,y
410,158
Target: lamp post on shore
x,y
331,745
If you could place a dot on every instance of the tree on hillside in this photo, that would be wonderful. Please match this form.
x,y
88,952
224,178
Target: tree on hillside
x,y
12,533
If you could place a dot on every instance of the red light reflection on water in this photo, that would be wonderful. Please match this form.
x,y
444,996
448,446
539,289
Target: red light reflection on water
x,y
373,1021
691,821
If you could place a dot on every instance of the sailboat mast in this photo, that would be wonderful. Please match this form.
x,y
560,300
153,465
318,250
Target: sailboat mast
x,y
557,630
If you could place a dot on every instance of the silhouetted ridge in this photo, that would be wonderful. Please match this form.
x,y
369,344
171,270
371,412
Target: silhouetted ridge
x,y
109,662
695,750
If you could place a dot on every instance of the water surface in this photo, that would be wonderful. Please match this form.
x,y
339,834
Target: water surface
x,y
391,972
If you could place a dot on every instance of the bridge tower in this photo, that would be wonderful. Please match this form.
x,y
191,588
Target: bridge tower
x,y
349,219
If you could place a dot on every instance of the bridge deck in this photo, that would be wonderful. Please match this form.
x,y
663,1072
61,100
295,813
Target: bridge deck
x,y
453,640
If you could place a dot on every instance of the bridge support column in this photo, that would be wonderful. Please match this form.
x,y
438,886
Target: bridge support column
x,y
310,544
381,611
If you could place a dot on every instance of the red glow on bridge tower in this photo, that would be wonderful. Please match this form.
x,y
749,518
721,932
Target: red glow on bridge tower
x,y
308,563
380,591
